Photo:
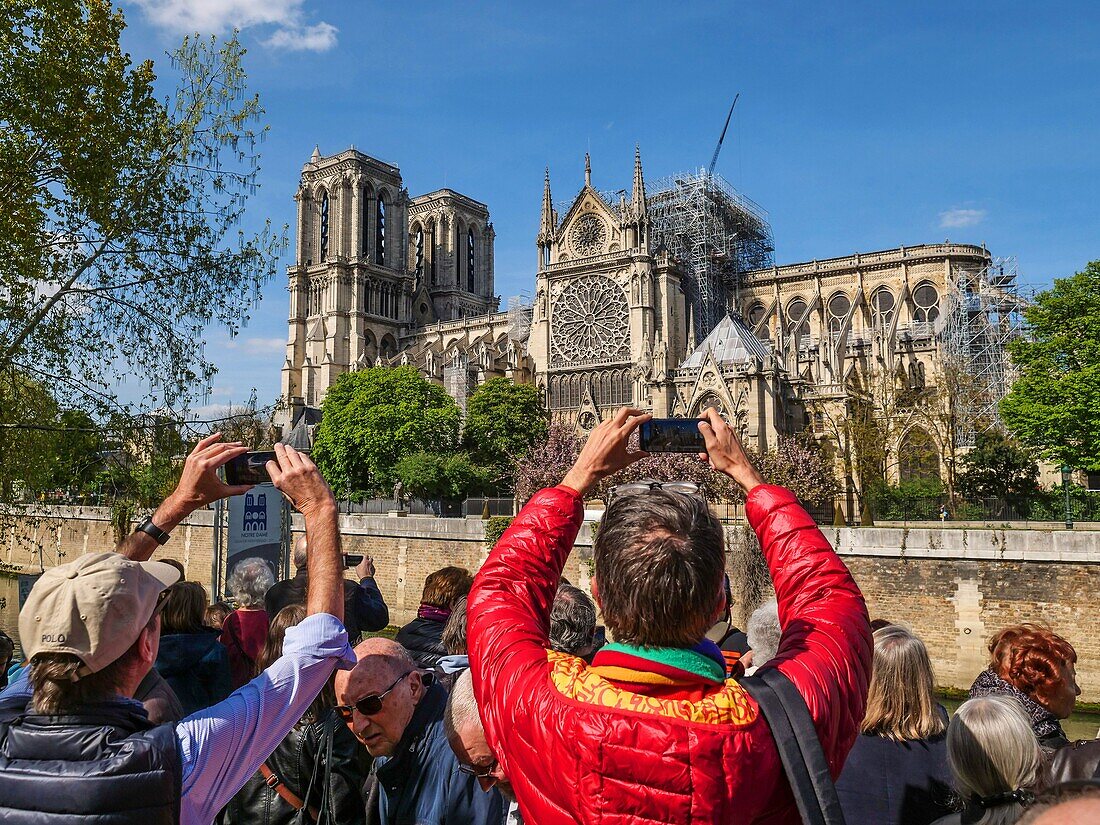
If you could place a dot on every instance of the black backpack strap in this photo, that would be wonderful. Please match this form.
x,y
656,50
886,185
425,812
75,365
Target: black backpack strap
x,y
799,749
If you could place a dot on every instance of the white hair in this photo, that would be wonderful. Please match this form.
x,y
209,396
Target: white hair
x,y
250,580
763,632
300,556
461,706
993,750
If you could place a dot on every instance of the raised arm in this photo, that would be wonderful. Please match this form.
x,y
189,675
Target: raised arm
x,y
825,649
300,481
198,486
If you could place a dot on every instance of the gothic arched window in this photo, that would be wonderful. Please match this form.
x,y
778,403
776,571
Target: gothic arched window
x,y
798,319
756,313
418,262
471,270
918,457
882,308
431,252
324,227
926,301
839,306
380,232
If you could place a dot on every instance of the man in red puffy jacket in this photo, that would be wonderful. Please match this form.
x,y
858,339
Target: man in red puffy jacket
x,y
652,731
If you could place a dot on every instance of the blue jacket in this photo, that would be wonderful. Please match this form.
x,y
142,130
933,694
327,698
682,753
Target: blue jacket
x,y
421,784
896,783
196,665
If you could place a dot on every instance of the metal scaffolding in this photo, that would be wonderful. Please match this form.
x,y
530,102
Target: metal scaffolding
x,y
983,312
716,234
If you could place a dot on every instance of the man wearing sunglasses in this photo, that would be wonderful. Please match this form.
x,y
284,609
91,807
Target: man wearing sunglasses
x,y
396,711
653,730
74,744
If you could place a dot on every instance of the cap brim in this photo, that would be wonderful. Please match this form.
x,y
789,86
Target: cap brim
x,y
166,574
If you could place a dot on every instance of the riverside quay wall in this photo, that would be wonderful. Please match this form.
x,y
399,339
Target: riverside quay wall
x,y
953,586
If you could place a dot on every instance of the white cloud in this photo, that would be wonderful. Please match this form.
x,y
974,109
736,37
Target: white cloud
x,y
216,16
317,38
257,346
955,218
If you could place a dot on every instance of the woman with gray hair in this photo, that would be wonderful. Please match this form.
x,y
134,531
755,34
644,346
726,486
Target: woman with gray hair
x,y
244,631
996,760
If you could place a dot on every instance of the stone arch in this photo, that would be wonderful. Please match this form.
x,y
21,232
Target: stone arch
x,y
918,456
883,307
837,310
384,230
366,220
925,299
707,401
387,348
797,321
370,347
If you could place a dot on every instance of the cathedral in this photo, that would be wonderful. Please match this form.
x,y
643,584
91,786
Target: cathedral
x,y
668,300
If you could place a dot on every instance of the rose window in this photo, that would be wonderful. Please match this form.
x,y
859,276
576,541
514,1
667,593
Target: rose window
x,y
588,235
591,322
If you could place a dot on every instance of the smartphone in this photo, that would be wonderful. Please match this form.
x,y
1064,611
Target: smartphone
x,y
250,468
672,435
352,560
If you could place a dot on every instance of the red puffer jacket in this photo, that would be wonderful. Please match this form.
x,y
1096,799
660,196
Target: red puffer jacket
x,y
576,748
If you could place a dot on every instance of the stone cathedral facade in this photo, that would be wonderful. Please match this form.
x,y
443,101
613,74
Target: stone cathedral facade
x,y
381,277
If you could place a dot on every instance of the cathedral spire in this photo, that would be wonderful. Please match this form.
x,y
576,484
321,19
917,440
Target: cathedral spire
x,y
587,170
546,227
637,199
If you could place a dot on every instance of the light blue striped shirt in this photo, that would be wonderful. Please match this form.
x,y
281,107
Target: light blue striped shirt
x,y
225,744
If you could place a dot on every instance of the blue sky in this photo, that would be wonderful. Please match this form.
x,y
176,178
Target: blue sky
x,y
861,126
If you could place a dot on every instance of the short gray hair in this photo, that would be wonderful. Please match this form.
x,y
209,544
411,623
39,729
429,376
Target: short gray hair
x,y
300,556
763,632
250,580
461,706
572,621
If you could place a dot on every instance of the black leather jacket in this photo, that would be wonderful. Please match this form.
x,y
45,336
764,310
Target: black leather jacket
x,y
1079,760
258,804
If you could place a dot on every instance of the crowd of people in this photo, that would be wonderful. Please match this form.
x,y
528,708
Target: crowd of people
x,y
504,700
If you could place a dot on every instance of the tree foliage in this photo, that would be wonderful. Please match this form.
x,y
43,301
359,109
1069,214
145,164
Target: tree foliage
x,y
442,476
116,241
999,468
503,420
1054,403
375,417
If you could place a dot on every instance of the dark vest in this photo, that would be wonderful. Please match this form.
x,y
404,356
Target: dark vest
x,y
108,765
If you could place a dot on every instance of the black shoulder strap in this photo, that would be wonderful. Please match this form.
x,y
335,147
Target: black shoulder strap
x,y
800,750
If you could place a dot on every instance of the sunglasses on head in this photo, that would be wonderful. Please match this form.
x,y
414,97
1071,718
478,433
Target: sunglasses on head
x,y
646,485
371,704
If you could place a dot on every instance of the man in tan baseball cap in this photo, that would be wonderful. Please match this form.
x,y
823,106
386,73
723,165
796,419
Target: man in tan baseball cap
x,y
74,744
94,608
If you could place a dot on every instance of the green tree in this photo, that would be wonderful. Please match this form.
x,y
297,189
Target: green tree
x,y
436,476
117,241
27,439
503,421
999,468
375,417
1054,403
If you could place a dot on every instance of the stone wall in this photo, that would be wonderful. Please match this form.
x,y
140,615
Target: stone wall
x,y
955,587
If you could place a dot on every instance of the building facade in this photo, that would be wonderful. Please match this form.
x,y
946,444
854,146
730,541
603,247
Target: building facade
x,y
668,301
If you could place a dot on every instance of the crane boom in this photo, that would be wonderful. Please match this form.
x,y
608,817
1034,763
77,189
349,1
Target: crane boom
x,y
718,148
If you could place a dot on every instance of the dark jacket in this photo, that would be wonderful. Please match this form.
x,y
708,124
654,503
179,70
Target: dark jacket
x,y
196,665
1079,760
258,804
423,638
896,783
159,700
108,765
365,610
420,784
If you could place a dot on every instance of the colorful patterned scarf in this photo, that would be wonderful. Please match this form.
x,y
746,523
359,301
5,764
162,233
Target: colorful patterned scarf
x,y
1043,722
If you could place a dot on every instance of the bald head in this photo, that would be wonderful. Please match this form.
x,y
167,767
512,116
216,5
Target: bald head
x,y
386,671
1070,803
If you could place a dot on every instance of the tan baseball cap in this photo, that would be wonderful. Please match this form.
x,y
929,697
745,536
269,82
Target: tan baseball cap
x,y
93,608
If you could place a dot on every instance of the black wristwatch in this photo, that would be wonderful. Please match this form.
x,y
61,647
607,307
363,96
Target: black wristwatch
x,y
151,529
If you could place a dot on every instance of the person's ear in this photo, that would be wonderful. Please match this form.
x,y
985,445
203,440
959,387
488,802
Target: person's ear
x,y
416,685
596,594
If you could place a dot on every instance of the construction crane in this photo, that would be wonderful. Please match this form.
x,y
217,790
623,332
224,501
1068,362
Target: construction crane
x,y
718,148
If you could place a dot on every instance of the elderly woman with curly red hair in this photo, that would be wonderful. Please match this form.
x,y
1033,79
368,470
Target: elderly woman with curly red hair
x,y
1037,667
